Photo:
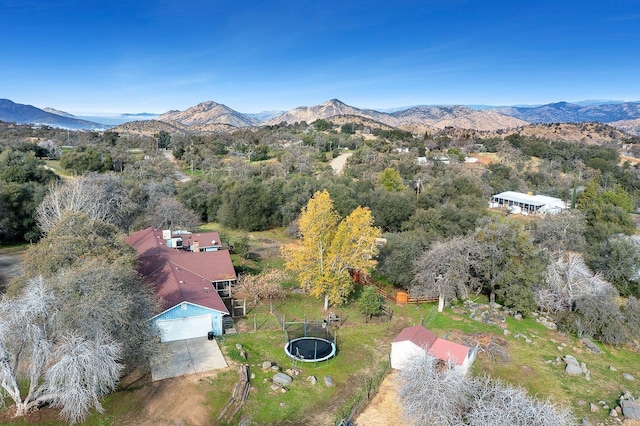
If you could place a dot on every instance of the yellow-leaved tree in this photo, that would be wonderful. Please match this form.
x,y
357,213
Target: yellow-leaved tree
x,y
329,247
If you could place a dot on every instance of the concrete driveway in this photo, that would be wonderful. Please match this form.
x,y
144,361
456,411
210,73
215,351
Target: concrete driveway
x,y
190,356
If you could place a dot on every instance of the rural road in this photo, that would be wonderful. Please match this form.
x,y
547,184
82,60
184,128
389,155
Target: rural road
x,y
178,174
337,164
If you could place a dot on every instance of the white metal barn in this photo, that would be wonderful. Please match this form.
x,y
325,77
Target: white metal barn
x,y
517,202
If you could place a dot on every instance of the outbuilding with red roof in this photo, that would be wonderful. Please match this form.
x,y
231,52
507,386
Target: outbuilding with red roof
x,y
416,340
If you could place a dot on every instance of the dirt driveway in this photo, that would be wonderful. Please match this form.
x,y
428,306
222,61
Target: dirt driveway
x,y
337,164
171,402
384,408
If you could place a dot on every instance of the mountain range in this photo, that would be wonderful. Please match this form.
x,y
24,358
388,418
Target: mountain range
x,y
20,113
564,112
214,117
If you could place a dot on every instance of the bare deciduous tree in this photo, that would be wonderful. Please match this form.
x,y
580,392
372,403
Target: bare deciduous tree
x,y
108,297
569,279
497,403
444,396
76,195
56,366
445,269
437,398
266,285
171,214
560,232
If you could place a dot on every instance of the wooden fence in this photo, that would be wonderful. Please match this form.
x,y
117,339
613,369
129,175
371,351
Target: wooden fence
x,y
239,396
395,296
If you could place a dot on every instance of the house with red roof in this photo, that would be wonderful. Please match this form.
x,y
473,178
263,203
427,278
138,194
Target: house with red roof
x,y
187,271
416,340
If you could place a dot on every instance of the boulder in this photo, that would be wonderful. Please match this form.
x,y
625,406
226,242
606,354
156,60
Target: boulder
x,y
630,409
612,368
628,376
573,369
239,346
594,407
583,367
591,346
312,379
266,365
328,381
282,379
585,422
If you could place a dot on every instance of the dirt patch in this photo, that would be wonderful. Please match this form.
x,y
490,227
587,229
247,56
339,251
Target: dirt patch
x,y
177,401
170,402
384,409
625,158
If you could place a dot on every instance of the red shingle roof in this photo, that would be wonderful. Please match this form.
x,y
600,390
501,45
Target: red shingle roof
x,y
179,275
436,347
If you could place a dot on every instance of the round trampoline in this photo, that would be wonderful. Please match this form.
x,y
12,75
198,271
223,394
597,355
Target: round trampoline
x,y
310,349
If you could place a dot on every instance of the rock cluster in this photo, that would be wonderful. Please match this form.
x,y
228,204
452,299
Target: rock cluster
x,y
574,368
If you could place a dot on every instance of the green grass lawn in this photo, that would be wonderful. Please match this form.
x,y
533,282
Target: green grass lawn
x,y
55,166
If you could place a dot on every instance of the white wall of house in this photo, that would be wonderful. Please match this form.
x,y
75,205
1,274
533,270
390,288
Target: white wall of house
x,y
403,351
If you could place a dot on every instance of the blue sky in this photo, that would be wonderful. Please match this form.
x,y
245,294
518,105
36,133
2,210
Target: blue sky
x,y
110,56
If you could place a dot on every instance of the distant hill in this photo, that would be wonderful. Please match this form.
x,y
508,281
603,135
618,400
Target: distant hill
x,y
629,126
329,109
589,133
420,117
457,116
58,112
564,112
28,114
210,112
150,128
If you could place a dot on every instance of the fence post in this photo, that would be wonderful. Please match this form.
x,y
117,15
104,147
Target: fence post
x,y
283,322
254,323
